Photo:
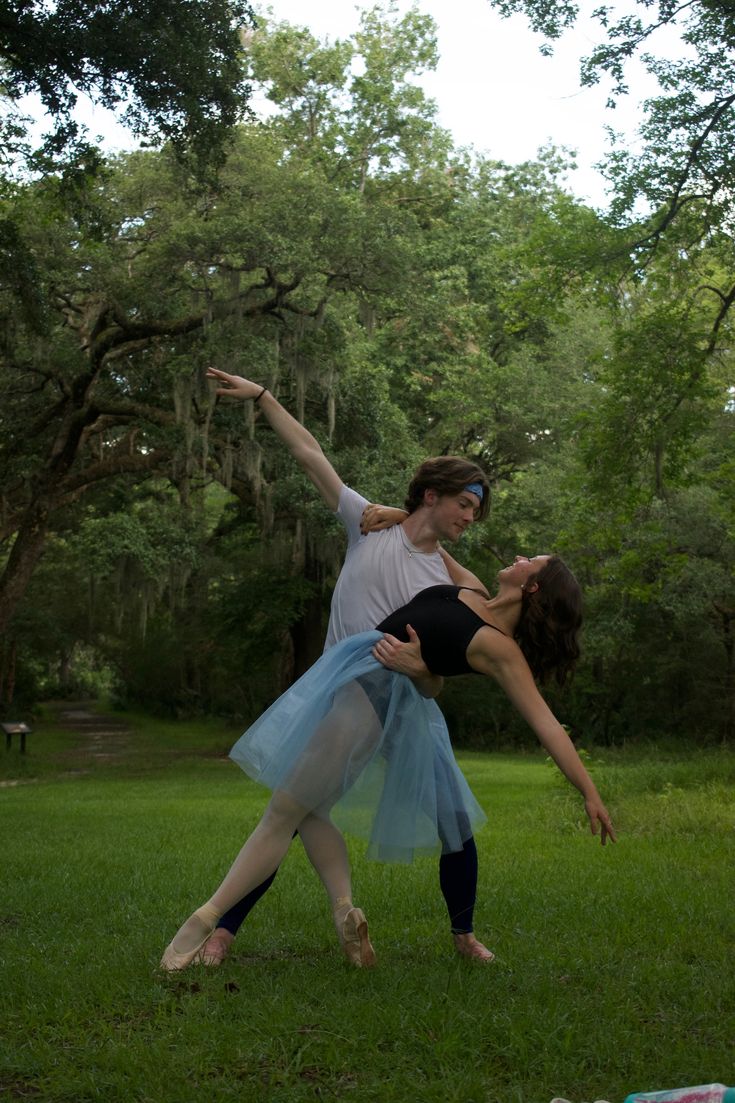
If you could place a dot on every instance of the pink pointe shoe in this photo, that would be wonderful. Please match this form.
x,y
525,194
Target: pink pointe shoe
x,y
174,960
355,941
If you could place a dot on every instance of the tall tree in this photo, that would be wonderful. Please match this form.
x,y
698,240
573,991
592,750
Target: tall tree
x,y
684,169
112,309
173,70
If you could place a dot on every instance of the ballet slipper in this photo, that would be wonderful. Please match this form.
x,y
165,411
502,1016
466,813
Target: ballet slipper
x,y
468,946
174,960
355,941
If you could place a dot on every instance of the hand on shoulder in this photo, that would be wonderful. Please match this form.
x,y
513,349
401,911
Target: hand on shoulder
x,y
377,517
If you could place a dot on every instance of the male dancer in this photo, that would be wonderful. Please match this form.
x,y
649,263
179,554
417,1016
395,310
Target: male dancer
x,y
381,572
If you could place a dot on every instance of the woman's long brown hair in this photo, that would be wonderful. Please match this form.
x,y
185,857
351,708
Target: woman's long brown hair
x,y
551,618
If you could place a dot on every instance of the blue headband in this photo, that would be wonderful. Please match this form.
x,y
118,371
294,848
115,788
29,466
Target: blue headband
x,y
476,488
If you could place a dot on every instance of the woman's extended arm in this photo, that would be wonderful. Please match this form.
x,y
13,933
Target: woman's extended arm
x,y
503,660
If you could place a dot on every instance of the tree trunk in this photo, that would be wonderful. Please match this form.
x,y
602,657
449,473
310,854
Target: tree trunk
x,y
22,561
307,635
10,675
728,616
32,530
65,669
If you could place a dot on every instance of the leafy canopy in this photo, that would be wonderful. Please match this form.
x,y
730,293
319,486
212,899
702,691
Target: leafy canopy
x,y
172,70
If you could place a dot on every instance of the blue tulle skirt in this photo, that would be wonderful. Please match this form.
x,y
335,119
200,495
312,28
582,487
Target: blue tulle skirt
x,y
356,743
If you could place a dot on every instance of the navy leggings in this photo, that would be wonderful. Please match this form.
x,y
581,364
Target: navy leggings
x,y
457,880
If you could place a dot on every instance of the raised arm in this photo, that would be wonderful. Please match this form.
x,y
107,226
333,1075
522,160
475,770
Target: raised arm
x,y
304,448
503,660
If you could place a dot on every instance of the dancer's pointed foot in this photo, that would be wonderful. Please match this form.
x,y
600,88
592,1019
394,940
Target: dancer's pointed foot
x,y
189,939
352,930
356,941
468,946
216,948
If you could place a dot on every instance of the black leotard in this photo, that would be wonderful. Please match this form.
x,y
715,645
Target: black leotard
x,y
445,627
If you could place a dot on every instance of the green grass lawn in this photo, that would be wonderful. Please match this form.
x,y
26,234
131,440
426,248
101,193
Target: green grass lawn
x,y
613,972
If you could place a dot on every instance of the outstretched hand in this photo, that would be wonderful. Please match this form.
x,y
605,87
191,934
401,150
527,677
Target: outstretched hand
x,y
377,517
600,821
233,386
404,658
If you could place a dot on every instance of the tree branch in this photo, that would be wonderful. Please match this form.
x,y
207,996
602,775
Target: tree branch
x,y
727,301
677,200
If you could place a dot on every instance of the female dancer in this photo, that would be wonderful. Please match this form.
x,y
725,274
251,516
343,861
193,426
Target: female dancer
x,y
354,739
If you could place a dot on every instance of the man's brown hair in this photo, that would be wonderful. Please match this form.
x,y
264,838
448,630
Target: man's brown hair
x,y
447,475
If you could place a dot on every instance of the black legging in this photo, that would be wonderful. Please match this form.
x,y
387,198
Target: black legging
x,y
457,880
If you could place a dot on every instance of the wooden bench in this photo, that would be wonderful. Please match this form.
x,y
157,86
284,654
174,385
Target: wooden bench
x,y
12,729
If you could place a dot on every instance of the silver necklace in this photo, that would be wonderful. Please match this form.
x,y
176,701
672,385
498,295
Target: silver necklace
x,y
403,541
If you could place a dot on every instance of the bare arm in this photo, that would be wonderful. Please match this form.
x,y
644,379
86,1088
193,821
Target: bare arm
x,y
304,448
459,575
503,660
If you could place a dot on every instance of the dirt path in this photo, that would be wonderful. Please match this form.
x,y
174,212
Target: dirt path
x,y
93,738
104,738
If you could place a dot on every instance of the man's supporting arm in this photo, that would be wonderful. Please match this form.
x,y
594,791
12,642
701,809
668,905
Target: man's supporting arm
x,y
406,658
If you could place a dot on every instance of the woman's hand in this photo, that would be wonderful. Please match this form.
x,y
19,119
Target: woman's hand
x,y
599,818
234,386
376,517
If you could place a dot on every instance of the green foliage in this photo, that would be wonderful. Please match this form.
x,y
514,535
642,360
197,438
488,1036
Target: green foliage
x,y
173,71
402,299
681,171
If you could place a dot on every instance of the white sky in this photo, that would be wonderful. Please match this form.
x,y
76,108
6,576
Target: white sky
x,y
494,90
